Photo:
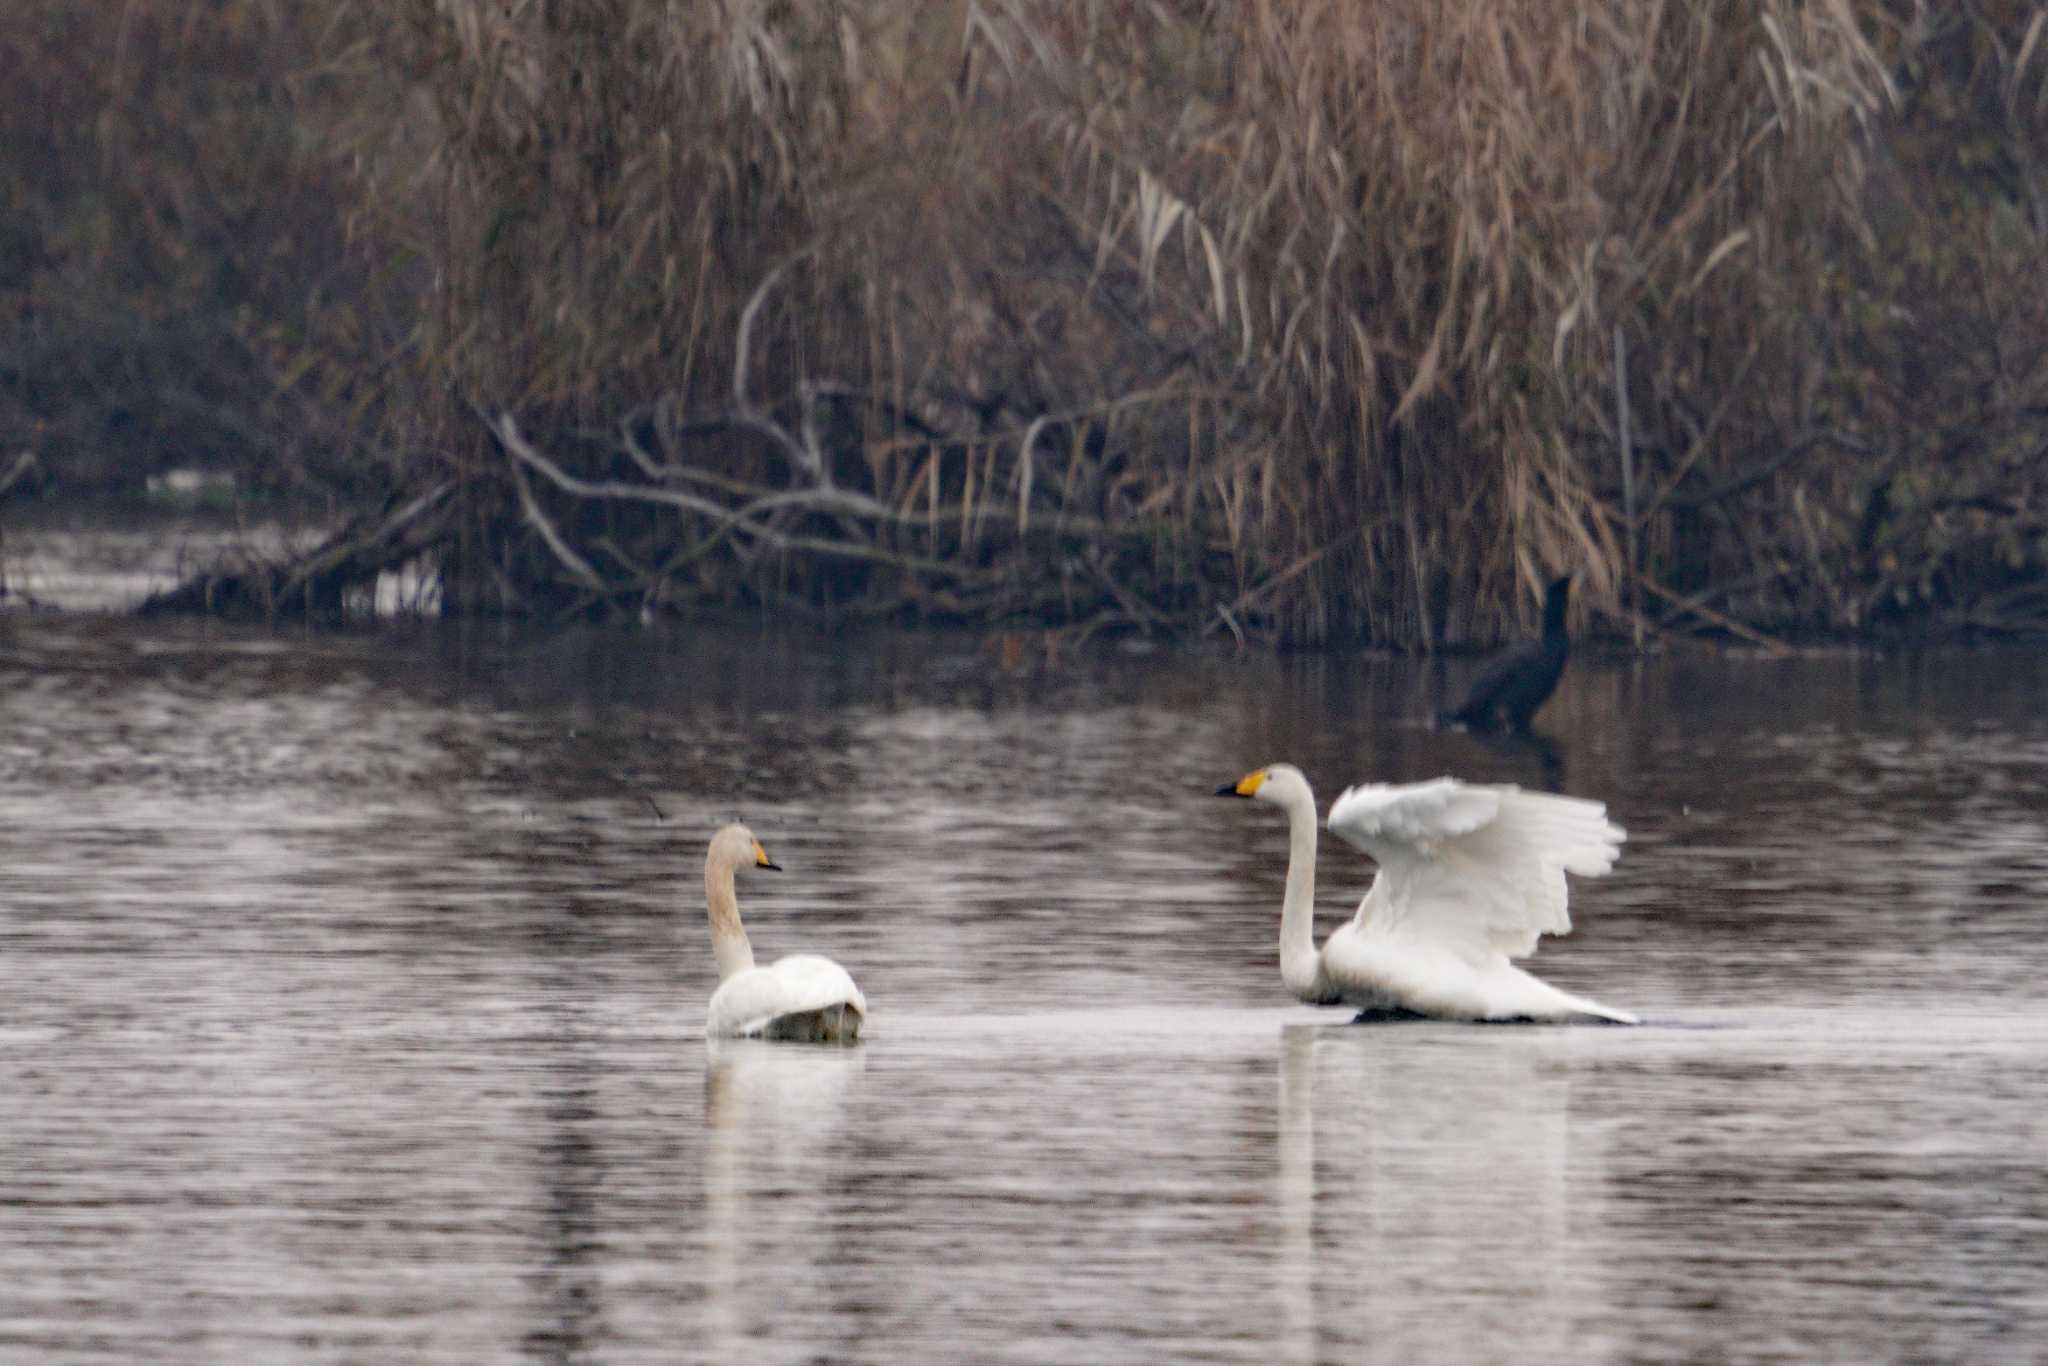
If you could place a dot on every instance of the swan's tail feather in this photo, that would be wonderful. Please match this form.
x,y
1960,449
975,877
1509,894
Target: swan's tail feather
x,y
1518,993
1608,1013
1585,1006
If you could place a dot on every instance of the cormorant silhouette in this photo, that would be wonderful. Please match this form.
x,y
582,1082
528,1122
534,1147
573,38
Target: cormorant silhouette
x,y
1521,678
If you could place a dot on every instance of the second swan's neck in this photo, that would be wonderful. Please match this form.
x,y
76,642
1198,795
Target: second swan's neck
x,y
728,936
1300,964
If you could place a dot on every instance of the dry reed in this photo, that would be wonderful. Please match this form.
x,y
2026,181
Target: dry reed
x,y
1302,321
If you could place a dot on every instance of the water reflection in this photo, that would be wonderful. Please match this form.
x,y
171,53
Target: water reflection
x,y
1536,755
351,1004
1297,1264
775,1163
108,557
1449,1206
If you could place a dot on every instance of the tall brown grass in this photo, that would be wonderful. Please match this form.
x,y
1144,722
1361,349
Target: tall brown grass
x,y
1421,235
1305,321
176,282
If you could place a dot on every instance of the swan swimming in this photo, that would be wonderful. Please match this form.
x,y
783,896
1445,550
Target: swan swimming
x,y
804,997
1469,876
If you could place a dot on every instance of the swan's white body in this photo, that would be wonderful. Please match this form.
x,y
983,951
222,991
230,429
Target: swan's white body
x,y
1469,877
802,997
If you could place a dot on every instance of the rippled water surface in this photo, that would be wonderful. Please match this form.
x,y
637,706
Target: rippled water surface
x,y
351,997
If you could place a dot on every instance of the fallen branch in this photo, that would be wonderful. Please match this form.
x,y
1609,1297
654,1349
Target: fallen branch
x,y
315,584
1726,623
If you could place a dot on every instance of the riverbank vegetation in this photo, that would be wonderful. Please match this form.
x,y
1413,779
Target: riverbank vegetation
x,y
1306,321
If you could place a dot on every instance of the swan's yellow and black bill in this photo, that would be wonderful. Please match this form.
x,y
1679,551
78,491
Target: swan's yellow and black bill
x,y
1246,786
761,859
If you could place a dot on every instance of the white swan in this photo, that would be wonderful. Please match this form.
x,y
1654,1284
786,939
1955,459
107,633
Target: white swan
x,y
1469,876
803,997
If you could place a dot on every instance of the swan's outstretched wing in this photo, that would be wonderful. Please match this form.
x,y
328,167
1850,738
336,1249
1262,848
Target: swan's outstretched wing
x,y
749,1001
1473,868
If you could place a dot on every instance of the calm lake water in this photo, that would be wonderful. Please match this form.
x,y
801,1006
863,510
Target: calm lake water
x,y
351,998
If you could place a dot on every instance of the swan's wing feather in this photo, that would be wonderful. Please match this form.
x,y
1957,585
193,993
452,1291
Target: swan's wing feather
x,y
1476,868
815,982
1380,814
803,982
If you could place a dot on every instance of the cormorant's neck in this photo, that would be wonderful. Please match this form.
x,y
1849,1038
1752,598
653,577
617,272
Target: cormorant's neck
x,y
1554,604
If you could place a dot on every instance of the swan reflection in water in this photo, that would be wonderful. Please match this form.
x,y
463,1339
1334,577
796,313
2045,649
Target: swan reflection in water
x,y
1449,1205
775,1125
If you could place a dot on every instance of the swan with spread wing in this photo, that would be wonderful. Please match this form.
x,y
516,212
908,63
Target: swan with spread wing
x,y
1469,876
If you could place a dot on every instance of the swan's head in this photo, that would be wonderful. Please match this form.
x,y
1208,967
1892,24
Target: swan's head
x,y
735,847
1280,784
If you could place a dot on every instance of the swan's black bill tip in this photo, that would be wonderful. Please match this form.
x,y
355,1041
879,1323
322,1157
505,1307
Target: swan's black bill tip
x,y
771,867
1227,790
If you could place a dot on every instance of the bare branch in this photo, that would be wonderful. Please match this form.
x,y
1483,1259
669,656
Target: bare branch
x,y
23,463
806,457
576,564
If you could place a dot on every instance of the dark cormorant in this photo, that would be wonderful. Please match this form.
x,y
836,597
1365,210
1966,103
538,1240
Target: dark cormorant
x,y
1520,678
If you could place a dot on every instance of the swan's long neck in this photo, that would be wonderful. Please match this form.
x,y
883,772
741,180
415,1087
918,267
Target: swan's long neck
x,y
1300,964
728,936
